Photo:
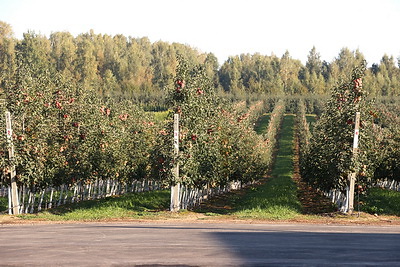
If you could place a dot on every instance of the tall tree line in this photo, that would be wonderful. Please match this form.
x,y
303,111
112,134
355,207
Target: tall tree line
x,y
135,67
287,76
113,65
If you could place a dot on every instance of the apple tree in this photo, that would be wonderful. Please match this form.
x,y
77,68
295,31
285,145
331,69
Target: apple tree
x,y
328,159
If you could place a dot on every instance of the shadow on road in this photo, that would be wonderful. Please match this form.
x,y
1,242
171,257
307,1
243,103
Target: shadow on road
x,y
309,248
259,246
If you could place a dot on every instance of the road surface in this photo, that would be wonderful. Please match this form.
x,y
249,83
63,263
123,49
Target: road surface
x,y
198,244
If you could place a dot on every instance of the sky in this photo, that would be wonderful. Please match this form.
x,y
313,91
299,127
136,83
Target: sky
x,y
224,27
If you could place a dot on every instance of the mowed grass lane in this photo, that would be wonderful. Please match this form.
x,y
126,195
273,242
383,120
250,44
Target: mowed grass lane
x,y
277,198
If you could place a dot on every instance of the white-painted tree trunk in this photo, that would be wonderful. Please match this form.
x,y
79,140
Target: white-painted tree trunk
x,y
9,201
41,200
51,198
32,202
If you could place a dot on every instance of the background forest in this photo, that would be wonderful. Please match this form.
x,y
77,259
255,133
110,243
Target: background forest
x,y
138,69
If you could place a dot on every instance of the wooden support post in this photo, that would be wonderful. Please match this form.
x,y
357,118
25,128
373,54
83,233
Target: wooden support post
x,y
14,189
175,189
352,176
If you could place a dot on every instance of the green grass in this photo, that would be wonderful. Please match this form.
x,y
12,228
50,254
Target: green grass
x,y
3,204
311,119
381,202
137,205
161,115
261,126
276,199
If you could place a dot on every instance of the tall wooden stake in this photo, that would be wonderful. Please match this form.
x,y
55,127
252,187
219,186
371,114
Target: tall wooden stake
x,y
14,189
352,176
175,189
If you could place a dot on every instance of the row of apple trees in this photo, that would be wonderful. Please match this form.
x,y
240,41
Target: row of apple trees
x,y
64,135
387,135
327,156
217,142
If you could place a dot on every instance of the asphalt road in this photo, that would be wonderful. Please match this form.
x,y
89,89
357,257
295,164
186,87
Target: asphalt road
x,y
198,244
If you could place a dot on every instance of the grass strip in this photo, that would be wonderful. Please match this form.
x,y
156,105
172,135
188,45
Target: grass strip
x,y
276,199
160,115
381,201
311,119
261,125
3,205
134,205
